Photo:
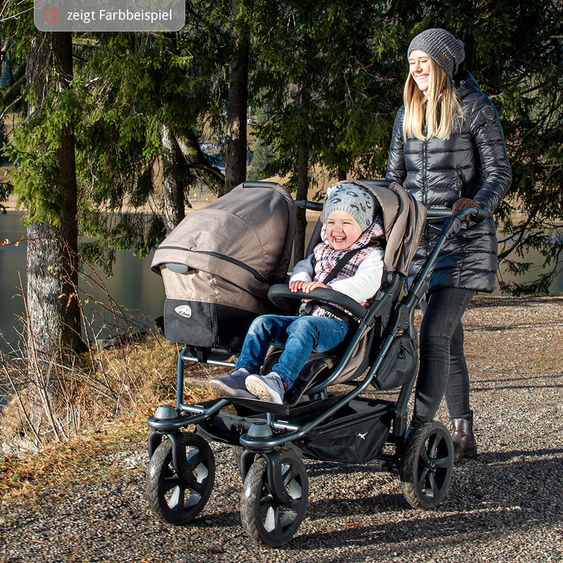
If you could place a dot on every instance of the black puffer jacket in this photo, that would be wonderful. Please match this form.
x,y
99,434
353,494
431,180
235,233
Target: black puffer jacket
x,y
472,163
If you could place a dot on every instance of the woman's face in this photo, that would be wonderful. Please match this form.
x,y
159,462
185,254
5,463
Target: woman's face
x,y
420,69
342,230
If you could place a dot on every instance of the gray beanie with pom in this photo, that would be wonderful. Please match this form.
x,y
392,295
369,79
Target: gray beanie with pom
x,y
442,46
354,200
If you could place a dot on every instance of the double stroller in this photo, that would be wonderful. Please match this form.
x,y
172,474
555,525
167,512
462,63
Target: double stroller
x,y
223,266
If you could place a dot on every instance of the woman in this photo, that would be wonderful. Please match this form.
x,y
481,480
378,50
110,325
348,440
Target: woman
x,y
448,150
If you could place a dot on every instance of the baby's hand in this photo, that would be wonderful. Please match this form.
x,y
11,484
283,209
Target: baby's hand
x,y
296,286
307,287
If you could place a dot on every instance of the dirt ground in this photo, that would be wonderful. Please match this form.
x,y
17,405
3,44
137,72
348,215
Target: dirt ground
x,y
504,506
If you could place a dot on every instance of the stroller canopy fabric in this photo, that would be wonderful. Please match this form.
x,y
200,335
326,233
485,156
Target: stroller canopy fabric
x,y
245,236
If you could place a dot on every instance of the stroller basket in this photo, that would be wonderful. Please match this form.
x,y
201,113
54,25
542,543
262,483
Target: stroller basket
x,y
355,434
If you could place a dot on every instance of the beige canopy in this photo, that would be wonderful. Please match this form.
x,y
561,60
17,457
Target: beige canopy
x,y
403,219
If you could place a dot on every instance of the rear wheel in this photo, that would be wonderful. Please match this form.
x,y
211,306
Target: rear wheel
x,y
179,498
264,517
427,465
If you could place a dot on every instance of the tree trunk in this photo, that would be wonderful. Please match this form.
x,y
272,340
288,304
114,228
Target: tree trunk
x,y
54,320
237,108
302,189
173,173
303,153
197,167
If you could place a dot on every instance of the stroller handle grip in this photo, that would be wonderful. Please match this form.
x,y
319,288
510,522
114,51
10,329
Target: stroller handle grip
x,y
443,213
280,292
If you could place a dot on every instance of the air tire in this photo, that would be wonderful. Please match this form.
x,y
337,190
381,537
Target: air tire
x,y
178,499
427,465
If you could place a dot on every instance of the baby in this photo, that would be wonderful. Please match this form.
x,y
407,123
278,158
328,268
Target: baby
x,y
351,222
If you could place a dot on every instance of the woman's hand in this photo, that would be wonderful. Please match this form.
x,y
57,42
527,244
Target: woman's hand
x,y
464,203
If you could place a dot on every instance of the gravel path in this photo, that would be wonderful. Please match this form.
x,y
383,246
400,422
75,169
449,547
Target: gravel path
x,y
504,506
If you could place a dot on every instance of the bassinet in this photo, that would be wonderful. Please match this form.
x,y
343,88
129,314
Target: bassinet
x,y
219,262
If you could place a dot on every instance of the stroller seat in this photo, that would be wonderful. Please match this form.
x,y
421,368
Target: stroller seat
x,y
315,377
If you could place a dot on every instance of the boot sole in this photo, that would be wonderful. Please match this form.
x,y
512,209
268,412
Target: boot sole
x,y
258,389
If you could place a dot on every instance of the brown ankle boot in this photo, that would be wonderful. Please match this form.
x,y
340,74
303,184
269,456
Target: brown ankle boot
x,y
463,439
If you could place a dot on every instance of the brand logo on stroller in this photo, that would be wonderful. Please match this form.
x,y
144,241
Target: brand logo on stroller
x,y
184,311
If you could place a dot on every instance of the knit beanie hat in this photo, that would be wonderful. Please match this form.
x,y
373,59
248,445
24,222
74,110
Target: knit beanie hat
x,y
442,46
354,200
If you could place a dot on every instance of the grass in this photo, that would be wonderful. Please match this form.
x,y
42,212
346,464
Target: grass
x,y
115,391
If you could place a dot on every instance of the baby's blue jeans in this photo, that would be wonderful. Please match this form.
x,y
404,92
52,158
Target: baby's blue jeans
x,y
297,336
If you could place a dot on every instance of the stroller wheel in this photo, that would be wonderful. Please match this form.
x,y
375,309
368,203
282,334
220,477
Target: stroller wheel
x,y
175,497
427,465
263,515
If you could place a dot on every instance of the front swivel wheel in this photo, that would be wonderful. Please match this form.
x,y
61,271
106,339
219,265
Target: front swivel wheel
x,y
177,490
274,518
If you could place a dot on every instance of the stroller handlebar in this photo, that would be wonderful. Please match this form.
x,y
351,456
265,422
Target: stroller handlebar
x,y
306,204
280,292
444,212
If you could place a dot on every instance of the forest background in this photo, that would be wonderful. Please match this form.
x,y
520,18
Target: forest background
x,y
115,121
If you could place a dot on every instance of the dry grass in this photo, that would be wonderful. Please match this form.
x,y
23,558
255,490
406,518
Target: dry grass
x,y
61,465
130,380
115,391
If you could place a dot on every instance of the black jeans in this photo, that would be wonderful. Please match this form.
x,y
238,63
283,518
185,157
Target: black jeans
x,y
442,360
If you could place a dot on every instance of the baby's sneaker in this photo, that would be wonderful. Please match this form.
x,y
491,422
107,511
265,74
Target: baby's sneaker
x,y
232,385
267,387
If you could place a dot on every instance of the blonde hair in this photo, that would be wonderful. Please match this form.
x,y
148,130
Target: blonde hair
x,y
439,108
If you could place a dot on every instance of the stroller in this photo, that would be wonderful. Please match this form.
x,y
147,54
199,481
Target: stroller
x,y
318,420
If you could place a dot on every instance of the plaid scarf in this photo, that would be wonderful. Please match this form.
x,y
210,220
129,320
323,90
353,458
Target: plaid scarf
x,y
327,257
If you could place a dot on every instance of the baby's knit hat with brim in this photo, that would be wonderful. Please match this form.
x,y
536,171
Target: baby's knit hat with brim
x,y
442,46
354,200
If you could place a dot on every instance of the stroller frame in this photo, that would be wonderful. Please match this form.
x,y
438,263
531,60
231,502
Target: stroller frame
x,y
268,437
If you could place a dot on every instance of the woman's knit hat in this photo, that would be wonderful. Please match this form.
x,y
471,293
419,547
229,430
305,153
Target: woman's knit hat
x,y
354,200
442,46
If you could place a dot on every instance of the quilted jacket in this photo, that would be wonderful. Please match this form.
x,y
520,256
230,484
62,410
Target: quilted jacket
x,y
471,163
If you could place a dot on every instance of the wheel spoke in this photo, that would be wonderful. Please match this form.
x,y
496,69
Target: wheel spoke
x,y
442,461
198,488
171,482
433,485
434,447
424,456
265,503
422,479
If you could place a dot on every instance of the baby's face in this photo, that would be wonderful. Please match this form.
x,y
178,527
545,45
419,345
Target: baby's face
x,y
342,230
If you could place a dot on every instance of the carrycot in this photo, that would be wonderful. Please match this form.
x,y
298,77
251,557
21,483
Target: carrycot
x,y
219,262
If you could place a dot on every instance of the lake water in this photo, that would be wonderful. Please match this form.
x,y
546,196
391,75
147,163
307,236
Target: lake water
x,y
133,286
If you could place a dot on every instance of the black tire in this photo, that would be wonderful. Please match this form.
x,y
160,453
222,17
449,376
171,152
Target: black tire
x,y
264,518
427,465
166,491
